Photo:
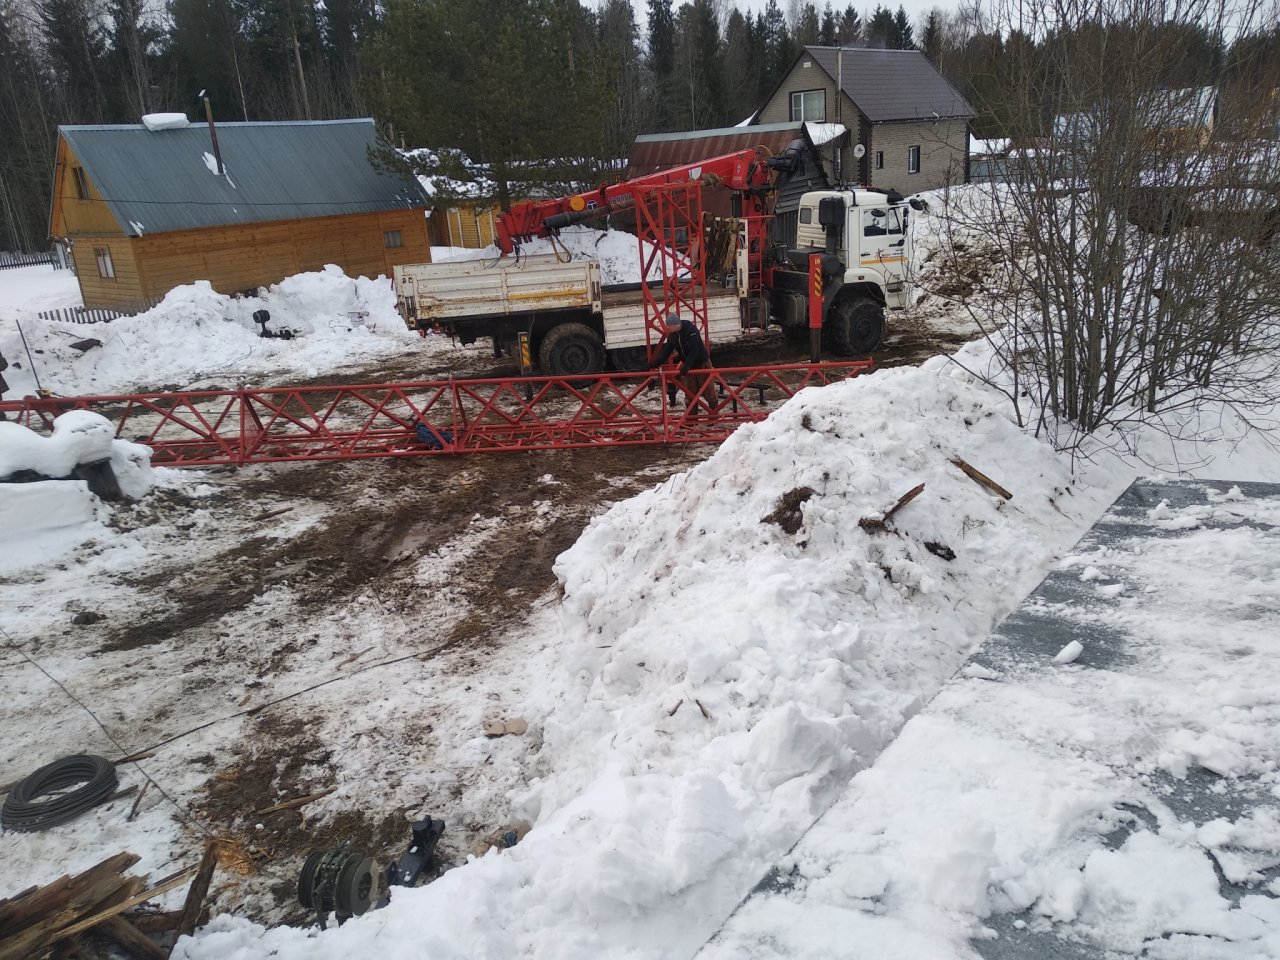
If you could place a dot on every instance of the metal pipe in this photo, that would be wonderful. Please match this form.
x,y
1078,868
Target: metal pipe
x,y
213,132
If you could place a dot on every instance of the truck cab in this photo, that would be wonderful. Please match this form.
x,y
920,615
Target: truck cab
x,y
871,238
865,249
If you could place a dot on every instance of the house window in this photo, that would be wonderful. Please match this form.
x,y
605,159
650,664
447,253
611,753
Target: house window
x,y
913,159
391,238
879,159
809,105
82,185
106,269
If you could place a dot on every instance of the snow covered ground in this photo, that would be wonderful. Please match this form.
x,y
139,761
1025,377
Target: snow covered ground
x,y
731,655
198,338
1102,777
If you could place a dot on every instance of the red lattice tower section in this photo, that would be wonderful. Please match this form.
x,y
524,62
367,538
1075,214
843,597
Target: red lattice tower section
x,y
669,228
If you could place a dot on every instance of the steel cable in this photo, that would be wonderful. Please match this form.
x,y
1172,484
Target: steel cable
x,y
23,809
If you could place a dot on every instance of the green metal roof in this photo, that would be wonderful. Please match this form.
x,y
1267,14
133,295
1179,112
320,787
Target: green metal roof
x,y
158,181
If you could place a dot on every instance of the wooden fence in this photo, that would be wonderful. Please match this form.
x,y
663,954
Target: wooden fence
x,y
81,315
11,260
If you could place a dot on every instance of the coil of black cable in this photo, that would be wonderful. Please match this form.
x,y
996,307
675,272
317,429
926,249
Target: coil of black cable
x,y
23,809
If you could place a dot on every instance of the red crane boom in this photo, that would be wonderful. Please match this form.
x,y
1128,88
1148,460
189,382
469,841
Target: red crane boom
x,y
749,172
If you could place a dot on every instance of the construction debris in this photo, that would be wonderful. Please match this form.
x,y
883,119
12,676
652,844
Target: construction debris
x,y
501,839
45,922
874,524
980,478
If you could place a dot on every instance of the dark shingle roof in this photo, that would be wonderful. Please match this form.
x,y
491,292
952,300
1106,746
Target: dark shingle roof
x,y
892,84
155,182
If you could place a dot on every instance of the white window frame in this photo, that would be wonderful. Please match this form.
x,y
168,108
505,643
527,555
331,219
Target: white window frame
x,y
913,159
801,100
106,269
879,159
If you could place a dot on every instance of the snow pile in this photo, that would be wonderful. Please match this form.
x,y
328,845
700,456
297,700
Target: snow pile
x,y
41,522
196,336
735,647
1111,801
78,437
156,122
617,251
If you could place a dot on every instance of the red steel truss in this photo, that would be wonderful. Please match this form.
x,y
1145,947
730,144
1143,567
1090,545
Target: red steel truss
x,y
238,427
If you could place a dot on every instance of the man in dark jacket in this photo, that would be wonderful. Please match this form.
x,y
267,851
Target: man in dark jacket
x,y
685,341
4,365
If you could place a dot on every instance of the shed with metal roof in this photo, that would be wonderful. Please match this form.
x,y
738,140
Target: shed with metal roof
x,y
244,205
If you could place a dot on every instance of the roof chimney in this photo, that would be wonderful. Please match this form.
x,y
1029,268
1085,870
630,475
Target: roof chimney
x,y
213,131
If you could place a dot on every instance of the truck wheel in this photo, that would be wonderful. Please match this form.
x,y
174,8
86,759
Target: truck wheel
x,y
854,326
570,350
629,359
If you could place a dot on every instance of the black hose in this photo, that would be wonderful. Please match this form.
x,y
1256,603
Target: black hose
x,y
24,811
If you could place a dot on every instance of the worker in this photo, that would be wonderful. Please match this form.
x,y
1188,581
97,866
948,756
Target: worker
x,y
4,385
683,339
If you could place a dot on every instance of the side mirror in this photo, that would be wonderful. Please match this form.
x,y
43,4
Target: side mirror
x,y
916,204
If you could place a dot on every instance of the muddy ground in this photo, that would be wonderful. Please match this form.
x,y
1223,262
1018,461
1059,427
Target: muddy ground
x,y
287,630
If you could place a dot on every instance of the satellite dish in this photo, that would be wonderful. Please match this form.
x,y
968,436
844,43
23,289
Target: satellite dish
x,y
859,151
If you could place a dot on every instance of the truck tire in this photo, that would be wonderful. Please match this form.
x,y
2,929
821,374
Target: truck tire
x,y
571,350
629,359
854,326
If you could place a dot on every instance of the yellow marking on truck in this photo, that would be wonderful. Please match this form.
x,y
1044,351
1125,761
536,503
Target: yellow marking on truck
x,y
874,260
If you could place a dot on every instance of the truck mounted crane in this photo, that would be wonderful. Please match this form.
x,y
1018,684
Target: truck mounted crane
x,y
849,261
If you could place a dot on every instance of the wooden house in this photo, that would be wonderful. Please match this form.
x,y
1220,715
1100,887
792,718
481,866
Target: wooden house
x,y
145,210
909,127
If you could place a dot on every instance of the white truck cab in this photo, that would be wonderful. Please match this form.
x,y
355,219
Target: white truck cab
x,y
873,242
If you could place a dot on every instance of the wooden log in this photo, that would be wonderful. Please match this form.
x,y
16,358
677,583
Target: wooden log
x,y
133,940
198,891
881,523
162,922
16,915
163,886
980,478
133,810
134,757
296,802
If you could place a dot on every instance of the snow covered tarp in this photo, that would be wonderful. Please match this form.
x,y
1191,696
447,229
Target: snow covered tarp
x,y
1121,804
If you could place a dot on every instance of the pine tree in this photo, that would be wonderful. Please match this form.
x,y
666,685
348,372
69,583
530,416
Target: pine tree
x,y
902,33
881,32
662,59
829,31
76,46
931,40
806,32
780,50
849,32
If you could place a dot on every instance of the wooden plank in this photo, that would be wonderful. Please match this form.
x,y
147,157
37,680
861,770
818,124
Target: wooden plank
x,y
297,801
132,939
162,922
164,886
199,890
980,478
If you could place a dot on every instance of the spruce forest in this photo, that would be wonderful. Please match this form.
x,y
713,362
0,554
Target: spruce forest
x,y
504,84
